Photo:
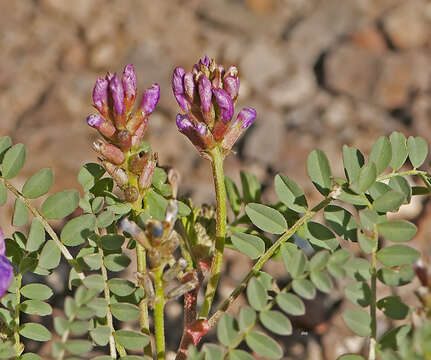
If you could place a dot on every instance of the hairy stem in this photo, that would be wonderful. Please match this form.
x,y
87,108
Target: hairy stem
x,y
159,313
144,321
18,347
263,259
402,173
47,227
373,338
112,343
218,175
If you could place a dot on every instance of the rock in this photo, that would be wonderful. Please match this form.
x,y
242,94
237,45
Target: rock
x,y
370,39
296,87
262,63
408,25
351,70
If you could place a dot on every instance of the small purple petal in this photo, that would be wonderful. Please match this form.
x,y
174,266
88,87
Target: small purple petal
x,y
225,103
182,102
189,85
150,99
109,76
95,120
100,94
231,85
2,243
205,93
246,116
201,128
205,61
177,81
6,274
117,93
129,81
183,123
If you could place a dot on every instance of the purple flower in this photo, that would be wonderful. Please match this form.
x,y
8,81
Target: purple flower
x,y
189,86
197,133
150,99
205,61
178,88
117,93
129,82
100,95
95,120
205,93
106,128
225,104
246,116
231,85
6,270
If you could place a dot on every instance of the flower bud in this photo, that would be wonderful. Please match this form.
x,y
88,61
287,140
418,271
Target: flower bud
x,y
156,233
131,194
106,128
117,94
124,140
146,177
189,86
133,229
109,152
243,121
117,173
197,133
224,101
150,99
128,81
138,135
171,212
100,96
178,89
217,81
231,86
205,94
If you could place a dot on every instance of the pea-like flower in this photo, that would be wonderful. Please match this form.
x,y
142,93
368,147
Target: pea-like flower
x,y
6,270
207,96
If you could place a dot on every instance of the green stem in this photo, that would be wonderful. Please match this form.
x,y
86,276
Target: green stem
x,y
403,173
144,321
113,346
47,227
218,175
159,313
263,259
18,346
373,338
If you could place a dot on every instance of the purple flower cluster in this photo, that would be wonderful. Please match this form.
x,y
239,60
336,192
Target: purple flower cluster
x,y
114,99
123,129
6,270
207,96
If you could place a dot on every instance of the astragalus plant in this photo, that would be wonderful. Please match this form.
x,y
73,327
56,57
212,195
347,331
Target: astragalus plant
x,y
129,204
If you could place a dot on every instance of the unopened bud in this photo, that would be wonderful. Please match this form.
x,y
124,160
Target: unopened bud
x,y
131,194
182,289
189,86
231,85
150,99
139,133
100,96
117,173
146,177
154,257
205,93
224,101
128,80
106,128
109,152
173,271
117,94
156,233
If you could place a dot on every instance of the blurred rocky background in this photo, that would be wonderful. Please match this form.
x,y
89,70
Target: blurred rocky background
x,y
320,73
